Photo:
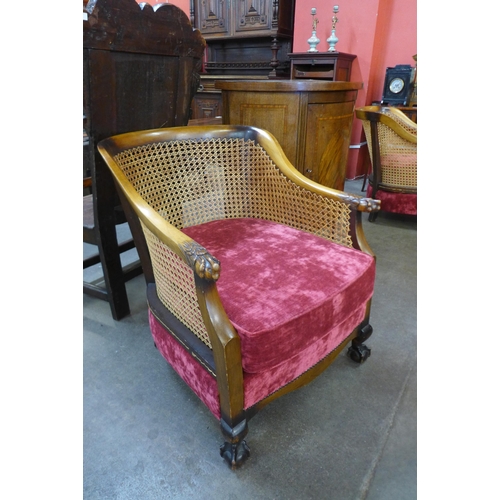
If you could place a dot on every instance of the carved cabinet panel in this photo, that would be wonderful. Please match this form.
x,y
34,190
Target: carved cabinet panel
x,y
255,15
213,17
241,17
206,105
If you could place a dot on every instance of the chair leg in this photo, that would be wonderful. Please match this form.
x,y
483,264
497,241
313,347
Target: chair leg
x,y
358,351
113,273
366,173
365,178
373,215
235,450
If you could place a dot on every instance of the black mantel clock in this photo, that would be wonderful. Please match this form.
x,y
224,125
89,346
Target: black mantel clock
x,y
398,84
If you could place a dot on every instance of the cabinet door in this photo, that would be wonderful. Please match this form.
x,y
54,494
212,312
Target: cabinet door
x,y
275,112
207,105
254,15
327,142
212,17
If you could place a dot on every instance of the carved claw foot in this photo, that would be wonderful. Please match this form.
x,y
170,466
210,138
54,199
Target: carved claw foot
x,y
235,454
235,450
359,353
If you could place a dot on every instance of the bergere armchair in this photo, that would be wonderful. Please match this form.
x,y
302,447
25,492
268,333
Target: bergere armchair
x,y
392,144
257,277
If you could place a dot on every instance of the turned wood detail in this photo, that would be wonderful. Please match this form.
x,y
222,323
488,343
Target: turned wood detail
x,y
205,265
274,61
275,14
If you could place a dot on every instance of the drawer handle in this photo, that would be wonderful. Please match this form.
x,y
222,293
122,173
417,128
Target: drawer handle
x,y
308,170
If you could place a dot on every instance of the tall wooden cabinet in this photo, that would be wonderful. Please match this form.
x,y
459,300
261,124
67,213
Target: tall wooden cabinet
x,y
246,37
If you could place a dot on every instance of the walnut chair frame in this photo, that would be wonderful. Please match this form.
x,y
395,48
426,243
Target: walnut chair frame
x,y
392,145
153,169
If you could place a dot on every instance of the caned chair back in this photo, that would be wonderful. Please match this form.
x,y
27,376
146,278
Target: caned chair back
x,y
392,144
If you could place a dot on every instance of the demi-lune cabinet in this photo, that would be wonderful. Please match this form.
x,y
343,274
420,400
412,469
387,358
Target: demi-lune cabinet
x,y
312,120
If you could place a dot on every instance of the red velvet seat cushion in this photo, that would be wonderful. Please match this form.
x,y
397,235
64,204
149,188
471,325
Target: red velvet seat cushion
x,y
284,289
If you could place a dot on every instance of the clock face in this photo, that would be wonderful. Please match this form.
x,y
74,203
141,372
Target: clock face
x,y
396,85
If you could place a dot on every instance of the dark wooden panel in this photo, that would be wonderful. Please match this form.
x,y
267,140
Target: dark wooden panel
x,y
245,37
133,92
122,25
206,105
141,70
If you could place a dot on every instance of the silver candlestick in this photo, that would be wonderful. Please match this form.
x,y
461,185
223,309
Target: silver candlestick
x,y
332,40
314,40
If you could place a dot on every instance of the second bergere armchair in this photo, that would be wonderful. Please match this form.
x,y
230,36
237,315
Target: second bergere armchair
x,y
392,144
257,277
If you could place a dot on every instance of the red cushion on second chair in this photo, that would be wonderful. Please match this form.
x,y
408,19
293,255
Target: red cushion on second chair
x,y
397,203
283,288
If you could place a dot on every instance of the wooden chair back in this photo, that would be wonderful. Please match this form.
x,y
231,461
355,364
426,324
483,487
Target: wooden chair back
x,y
141,69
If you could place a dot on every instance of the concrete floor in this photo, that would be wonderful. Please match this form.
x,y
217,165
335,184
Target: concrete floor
x,y
350,434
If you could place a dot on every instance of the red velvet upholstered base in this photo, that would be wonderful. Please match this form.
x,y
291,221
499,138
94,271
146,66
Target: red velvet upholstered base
x,y
397,203
257,386
195,375
292,297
